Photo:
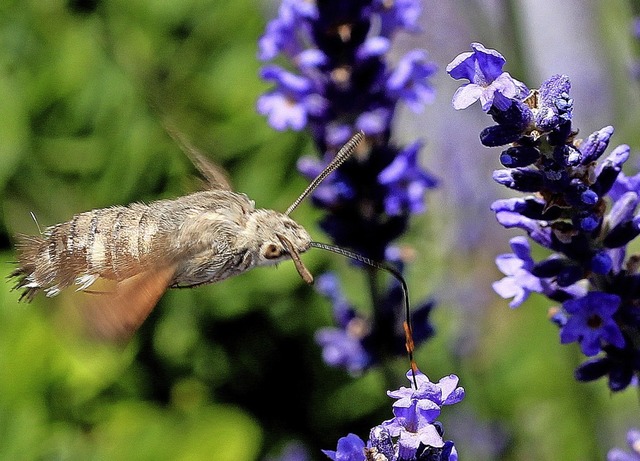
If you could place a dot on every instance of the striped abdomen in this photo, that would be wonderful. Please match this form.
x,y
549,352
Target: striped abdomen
x,y
112,243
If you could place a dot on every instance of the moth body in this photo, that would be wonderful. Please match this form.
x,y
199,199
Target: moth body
x,y
204,237
144,249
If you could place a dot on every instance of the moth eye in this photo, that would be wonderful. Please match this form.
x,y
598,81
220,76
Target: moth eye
x,y
272,251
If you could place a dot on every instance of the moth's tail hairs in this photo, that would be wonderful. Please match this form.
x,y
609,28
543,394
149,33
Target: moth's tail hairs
x,y
28,247
343,154
408,330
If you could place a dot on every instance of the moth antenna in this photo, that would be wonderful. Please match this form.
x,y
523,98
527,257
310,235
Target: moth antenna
x,y
343,154
35,220
408,329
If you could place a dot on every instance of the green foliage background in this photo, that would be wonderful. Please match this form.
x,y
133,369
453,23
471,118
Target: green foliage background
x,y
230,371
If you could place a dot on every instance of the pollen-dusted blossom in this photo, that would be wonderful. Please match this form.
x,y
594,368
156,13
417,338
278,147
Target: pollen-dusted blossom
x,y
580,207
416,410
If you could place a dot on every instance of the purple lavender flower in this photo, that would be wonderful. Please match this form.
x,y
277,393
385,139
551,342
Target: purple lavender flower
x,y
415,414
406,182
591,322
286,33
623,184
583,210
408,82
397,15
487,82
413,432
292,102
343,346
520,281
633,440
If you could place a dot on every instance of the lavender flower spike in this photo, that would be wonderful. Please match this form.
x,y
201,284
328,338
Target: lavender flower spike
x,y
581,207
339,81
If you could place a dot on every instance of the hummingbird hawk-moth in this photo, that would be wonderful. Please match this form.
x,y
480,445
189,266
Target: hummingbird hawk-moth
x,y
201,238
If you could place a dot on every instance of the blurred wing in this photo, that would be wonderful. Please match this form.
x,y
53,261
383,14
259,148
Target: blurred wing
x,y
215,176
115,315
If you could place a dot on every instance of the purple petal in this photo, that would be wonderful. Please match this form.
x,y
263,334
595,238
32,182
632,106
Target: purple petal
x,y
509,264
633,439
616,454
522,249
481,66
338,134
310,58
281,111
374,122
451,393
350,448
594,146
395,171
612,334
309,166
466,95
538,231
508,288
622,209
373,47
616,158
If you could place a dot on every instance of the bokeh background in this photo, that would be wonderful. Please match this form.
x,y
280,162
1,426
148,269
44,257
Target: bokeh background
x,y
231,371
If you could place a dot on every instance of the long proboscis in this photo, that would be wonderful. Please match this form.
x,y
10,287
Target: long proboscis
x,y
408,330
343,154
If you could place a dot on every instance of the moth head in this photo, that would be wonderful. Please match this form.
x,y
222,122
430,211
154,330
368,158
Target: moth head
x,y
277,237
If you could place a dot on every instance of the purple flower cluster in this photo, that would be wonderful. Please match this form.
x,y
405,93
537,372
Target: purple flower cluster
x,y
342,83
413,433
581,207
